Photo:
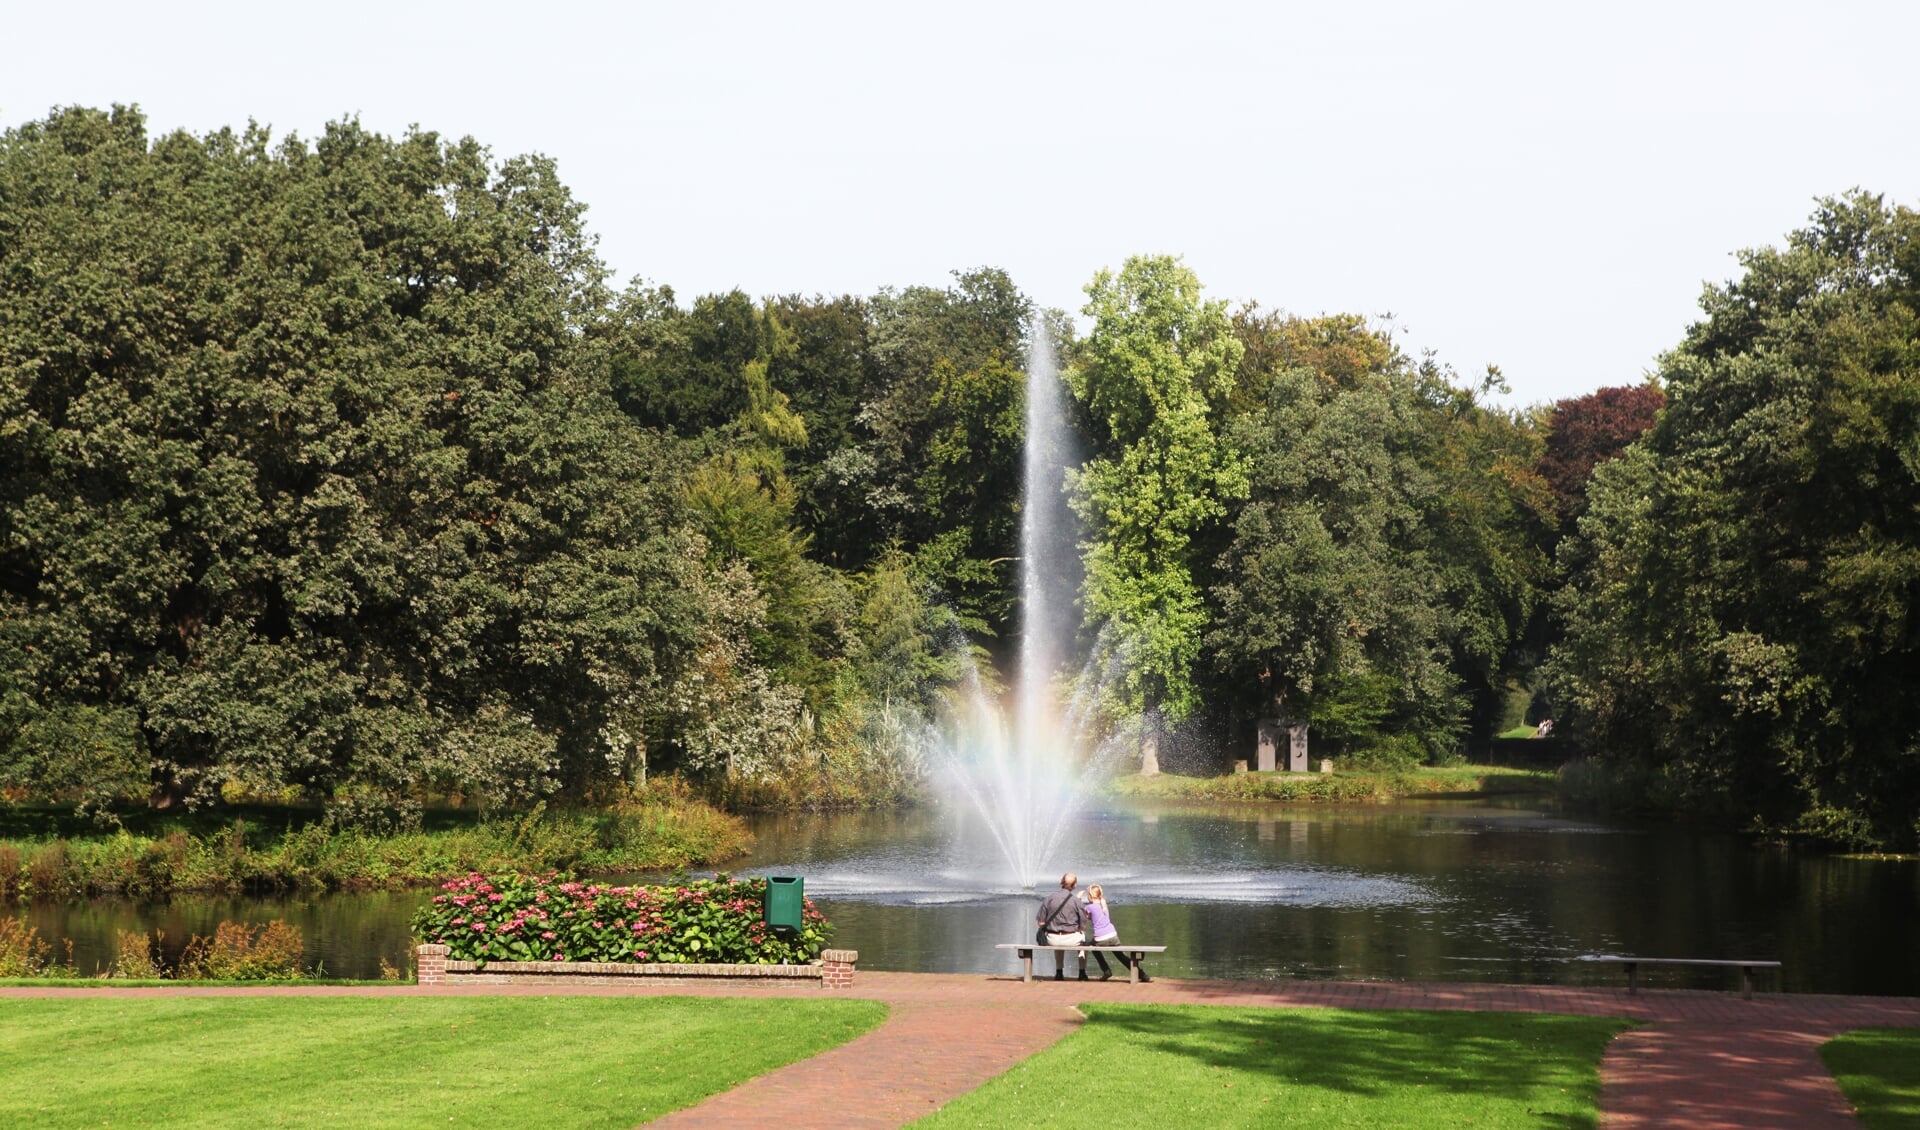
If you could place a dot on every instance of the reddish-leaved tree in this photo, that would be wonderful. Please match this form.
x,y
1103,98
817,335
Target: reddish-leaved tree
x,y
1586,431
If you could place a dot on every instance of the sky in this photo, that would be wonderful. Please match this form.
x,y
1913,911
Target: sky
x,y
1544,187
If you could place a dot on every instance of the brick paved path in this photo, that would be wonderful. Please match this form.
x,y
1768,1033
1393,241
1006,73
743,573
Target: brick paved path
x,y
1699,1059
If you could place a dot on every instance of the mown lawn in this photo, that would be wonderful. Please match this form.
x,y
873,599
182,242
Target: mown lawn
x,y
1196,1065
1879,1071
370,1062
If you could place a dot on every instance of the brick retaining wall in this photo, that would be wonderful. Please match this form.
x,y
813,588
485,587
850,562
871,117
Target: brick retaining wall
x,y
834,970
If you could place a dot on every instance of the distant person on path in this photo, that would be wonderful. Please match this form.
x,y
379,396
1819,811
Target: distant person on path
x,y
1104,934
1062,924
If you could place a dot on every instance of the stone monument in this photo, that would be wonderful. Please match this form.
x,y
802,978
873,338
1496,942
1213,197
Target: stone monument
x,y
1297,747
1266,746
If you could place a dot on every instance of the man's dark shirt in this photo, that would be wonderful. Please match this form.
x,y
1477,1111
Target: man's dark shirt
x,y
1059,919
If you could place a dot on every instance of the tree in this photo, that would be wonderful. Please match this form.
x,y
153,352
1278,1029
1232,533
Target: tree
x,y
310,471
1329,598
1390,553
1156,353
1741,607
930,464
680,370
1586,431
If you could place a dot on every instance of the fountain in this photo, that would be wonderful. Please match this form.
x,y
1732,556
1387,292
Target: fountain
x,y
1025,776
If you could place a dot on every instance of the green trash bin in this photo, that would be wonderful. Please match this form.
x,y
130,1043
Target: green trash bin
x,y
785,901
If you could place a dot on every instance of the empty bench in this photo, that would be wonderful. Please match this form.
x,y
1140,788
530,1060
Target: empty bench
x,y
1633,965
1026,955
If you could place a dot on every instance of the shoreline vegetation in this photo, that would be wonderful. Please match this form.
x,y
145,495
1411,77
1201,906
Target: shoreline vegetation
x,y
51,853
341,469
1341,787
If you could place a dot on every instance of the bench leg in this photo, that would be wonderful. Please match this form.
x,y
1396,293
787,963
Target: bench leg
x,y
1026,966
1746,980
1133,969
1633,978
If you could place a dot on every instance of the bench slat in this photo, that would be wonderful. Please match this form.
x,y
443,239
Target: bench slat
x,y
1632,966
1678,961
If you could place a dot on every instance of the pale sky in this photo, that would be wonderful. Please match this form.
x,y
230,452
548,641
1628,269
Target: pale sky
x,y
1541,186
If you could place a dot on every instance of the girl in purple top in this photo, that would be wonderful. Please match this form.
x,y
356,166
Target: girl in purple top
x,y
1104,934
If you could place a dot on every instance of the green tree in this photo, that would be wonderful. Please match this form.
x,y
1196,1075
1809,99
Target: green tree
x,y
309,467
1384,567
680,370
1156,353
931,462
1328,599
1741,607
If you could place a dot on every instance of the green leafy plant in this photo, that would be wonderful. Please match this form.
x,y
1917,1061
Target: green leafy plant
x,y
549,918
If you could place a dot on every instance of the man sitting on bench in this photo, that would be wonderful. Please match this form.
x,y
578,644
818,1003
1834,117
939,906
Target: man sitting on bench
x,y
1061,924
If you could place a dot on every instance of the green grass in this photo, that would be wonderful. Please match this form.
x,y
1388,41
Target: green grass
x,y
1879,1070
1198,1065
1340,787
242,1062
1519,732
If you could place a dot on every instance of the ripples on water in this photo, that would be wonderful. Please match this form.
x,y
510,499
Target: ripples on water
x,y
1430,891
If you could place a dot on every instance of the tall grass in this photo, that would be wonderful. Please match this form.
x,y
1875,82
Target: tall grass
x,y
24,953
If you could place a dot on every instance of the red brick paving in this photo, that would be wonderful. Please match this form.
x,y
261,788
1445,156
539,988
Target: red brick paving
x,y
1699,1059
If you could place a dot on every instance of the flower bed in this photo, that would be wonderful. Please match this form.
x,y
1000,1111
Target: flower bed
x,y
516,918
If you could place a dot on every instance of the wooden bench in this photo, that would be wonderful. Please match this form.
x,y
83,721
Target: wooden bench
x,y
1633,965
1026,955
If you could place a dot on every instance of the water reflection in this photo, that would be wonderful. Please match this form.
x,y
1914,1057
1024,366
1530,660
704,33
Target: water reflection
x,y
1426,890
347,935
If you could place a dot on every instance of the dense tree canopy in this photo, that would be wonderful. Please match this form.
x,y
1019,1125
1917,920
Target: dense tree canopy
x,y
1156,353
333,468
1387,556
1741,614
305,477
1586,431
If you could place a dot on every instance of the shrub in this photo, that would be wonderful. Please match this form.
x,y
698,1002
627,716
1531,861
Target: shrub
x,y
524,918
23,953
647,829
47,870
270,951
133,955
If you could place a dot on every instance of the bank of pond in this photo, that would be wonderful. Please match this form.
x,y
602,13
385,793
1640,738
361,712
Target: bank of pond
x,y
261,849
54,852
479,918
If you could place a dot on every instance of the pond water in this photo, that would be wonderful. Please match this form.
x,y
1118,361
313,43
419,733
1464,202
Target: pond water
x,y
1419,890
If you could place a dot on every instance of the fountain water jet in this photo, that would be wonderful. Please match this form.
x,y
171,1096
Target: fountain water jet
x,y
1025,776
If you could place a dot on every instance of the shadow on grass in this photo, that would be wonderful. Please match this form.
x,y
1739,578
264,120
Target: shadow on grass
x,y
1516,1057
1878,1069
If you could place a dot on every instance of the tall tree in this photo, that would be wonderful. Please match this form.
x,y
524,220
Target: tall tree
x,y
1586,431
1741,618
1330,599
930,464
1156,353
306,468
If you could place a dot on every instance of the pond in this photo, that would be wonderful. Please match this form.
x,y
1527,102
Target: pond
x,y
1429,890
